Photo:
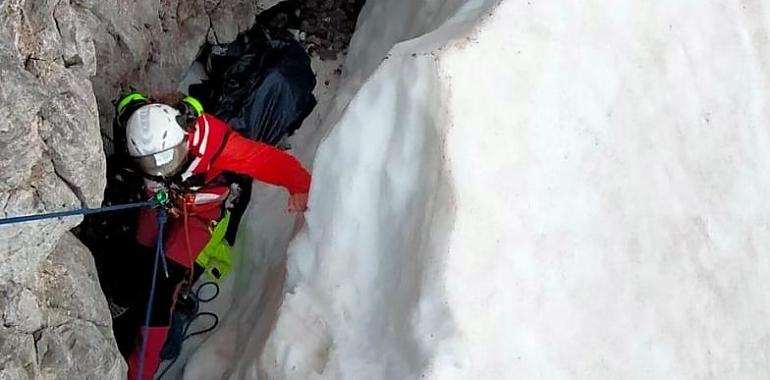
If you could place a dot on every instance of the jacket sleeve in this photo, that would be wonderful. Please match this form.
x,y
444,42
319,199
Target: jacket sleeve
x,y
263,162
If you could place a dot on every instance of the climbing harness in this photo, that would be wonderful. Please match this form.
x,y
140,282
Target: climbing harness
x,y
194,297
172,348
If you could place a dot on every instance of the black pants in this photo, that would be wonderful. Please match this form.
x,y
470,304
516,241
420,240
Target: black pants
x,y
136,292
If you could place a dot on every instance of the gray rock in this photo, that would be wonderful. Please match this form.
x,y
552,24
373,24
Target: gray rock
x,y
67,286
24,246
227,21
78,52
148,46
18,360
77,350
23,314
74,144
20,99
77,341
61,65
60,327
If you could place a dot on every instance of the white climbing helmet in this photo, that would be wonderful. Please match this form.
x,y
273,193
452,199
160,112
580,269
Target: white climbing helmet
x,y
156,140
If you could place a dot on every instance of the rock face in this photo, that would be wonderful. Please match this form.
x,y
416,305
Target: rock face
x,y
75,340
61,64
148,45
51,159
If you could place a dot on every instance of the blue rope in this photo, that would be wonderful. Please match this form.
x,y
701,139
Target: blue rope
x,y
162,217
82,211
159,257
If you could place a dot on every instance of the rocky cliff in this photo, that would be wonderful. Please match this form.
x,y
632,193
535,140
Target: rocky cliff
x,y
61,64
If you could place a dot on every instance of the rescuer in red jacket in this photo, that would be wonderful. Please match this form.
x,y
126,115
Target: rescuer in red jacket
x,y
183,151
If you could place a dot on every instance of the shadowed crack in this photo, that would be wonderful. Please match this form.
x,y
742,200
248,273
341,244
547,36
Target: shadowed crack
x,y
6,197
75,190
56,20
57,168
209,14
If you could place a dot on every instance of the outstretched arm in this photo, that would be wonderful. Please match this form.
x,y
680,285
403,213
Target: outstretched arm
x,y
264,163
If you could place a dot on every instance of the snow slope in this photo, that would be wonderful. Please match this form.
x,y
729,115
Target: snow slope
x,y
526,190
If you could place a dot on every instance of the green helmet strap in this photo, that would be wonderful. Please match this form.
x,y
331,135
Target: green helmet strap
x,y
194,104
129,99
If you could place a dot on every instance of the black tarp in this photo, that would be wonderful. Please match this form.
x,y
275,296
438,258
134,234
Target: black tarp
x,y
261,84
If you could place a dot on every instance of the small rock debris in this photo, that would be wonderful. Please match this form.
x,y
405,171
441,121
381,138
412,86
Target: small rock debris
x,y
325,26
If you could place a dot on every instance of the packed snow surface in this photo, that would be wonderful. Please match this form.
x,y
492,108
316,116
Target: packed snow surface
x,y
512,189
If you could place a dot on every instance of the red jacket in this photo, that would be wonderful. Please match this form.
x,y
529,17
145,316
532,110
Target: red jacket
x,y
217,148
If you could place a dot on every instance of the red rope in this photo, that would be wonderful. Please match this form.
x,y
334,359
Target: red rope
x,y
185,215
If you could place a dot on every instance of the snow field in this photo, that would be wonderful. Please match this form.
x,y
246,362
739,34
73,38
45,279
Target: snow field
x,y
523,190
